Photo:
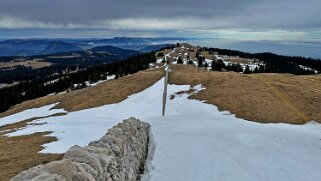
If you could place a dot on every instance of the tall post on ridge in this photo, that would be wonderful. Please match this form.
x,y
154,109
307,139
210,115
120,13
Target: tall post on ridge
x,y
165,86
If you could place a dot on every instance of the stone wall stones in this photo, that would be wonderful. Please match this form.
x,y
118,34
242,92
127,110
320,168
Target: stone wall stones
x,y
119,155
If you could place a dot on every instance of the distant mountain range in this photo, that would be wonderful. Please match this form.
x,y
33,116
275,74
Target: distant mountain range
x,y
60,46
114,50
35,47
61,61
30,47
126,41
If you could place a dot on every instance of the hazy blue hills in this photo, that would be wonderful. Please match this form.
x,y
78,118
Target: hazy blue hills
x,y
31,47
126,41
114,50
60,46
144,48
22,47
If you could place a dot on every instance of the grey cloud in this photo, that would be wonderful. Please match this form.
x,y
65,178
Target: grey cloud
x,y
160,15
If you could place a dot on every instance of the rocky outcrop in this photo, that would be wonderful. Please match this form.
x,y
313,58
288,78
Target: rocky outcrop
x,y
119,155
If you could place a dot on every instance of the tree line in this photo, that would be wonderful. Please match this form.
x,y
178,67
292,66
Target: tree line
x,y
273,63
39,87
84,60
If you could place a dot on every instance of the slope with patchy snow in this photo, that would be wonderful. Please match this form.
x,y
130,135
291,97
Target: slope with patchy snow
x,y
195,141
31,113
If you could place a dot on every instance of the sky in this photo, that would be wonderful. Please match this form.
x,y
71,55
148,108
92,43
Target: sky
x,y
236,19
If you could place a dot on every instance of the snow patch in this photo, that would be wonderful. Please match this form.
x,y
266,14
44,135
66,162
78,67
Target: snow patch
x,y
31,113
160,60
195,141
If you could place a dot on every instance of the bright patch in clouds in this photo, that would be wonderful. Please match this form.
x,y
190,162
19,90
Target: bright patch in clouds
x,y
20,23
174,23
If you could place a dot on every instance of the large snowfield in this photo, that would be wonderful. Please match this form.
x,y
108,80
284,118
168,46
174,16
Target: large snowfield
x,y
194,141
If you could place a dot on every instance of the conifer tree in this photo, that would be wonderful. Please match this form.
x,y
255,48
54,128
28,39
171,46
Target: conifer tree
x,y
200,60
247,70
179,60
217,65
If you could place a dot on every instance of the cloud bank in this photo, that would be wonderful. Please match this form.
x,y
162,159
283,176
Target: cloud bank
x,y
214,17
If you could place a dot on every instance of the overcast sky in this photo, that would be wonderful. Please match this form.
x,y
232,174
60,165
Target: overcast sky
x,y
239,19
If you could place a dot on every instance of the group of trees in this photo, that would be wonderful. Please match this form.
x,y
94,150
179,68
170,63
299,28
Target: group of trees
x,y
271,63
275,63
218,65
61,62
22,73
266,68
35,88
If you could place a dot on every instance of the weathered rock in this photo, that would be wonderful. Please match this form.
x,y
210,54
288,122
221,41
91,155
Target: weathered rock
x,y
118,156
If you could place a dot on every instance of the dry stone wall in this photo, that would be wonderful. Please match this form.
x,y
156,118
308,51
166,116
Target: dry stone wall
x,y
118,156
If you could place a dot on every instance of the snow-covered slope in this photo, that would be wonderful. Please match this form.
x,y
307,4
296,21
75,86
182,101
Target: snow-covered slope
x,y
195,141
31,113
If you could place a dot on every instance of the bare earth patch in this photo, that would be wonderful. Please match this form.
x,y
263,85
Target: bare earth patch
x,y
257,97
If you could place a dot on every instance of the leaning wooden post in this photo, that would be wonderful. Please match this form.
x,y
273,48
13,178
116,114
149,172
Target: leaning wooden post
x,y
165,86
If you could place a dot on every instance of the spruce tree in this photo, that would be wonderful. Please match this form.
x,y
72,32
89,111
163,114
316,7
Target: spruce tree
x,y
200,61
217,65
179,60
256,70
247,70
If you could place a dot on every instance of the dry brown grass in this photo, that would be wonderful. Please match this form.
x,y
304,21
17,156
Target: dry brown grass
x,y
190,50
34,64
238,60
113,91
207,55
109,92
256,97
19,153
